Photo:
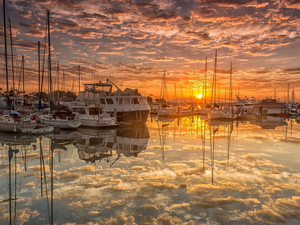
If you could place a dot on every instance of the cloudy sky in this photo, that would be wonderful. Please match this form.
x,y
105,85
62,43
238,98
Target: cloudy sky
x,y
134,42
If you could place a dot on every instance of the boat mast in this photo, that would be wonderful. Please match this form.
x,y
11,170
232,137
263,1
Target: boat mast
x,y
205,78
288,93
6,64
58,83
79,79
230,86
12,63
163,90
49,56
23,79
213,90
39,72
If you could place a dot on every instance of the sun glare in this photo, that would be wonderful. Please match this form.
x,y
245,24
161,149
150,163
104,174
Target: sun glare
x,y
199,95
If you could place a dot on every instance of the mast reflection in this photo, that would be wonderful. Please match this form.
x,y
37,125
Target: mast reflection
x,y
13,142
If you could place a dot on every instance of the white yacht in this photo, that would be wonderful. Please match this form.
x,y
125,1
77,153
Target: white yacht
x,y
243,106
127,106
92,115
61,119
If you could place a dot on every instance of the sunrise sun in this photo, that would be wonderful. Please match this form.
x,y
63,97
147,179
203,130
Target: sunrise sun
x,y
199,95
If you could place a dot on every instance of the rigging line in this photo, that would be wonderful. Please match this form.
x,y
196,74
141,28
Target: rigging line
x,y
45,179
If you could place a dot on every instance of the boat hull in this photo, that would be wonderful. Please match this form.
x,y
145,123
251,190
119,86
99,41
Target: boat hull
x,y
11,126
104,122
61,123
131,117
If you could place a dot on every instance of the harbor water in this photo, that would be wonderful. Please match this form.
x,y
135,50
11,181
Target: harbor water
x,y
171,171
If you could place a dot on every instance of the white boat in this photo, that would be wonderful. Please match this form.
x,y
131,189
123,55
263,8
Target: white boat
x,y
42,130
243,106
154,107
92,116
62,119
221,114
168,112
14,124
271,107
126,106
204,111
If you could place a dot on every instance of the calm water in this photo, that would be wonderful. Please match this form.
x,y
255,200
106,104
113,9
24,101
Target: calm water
x,y
170,172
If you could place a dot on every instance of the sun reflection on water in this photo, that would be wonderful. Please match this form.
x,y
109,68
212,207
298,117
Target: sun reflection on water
x,y
183,171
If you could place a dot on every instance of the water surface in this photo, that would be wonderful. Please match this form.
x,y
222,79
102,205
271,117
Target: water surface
x,y
186,171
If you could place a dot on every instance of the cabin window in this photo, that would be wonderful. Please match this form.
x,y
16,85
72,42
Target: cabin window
x,y
120,101
74,110
102,101
135,101
109,101
93,111
126,100
81,111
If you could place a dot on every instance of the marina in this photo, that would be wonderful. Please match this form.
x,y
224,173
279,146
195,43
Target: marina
x,y
149,112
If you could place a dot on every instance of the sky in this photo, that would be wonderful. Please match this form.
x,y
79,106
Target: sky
x,y
133,43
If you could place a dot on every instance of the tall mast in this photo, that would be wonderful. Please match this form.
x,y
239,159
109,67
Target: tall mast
x,y
58,82
230,85
39,72
79,80
23,71
12,63
288,93
5,47
175,95
213,89
64,88
205,78
215,75
49,47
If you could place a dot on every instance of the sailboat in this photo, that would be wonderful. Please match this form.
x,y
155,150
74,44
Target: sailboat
x,y
12,121
62,118
165,110
218,113
205,110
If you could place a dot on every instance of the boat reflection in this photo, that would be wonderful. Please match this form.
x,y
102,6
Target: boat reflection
x,y
97,145
270,122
